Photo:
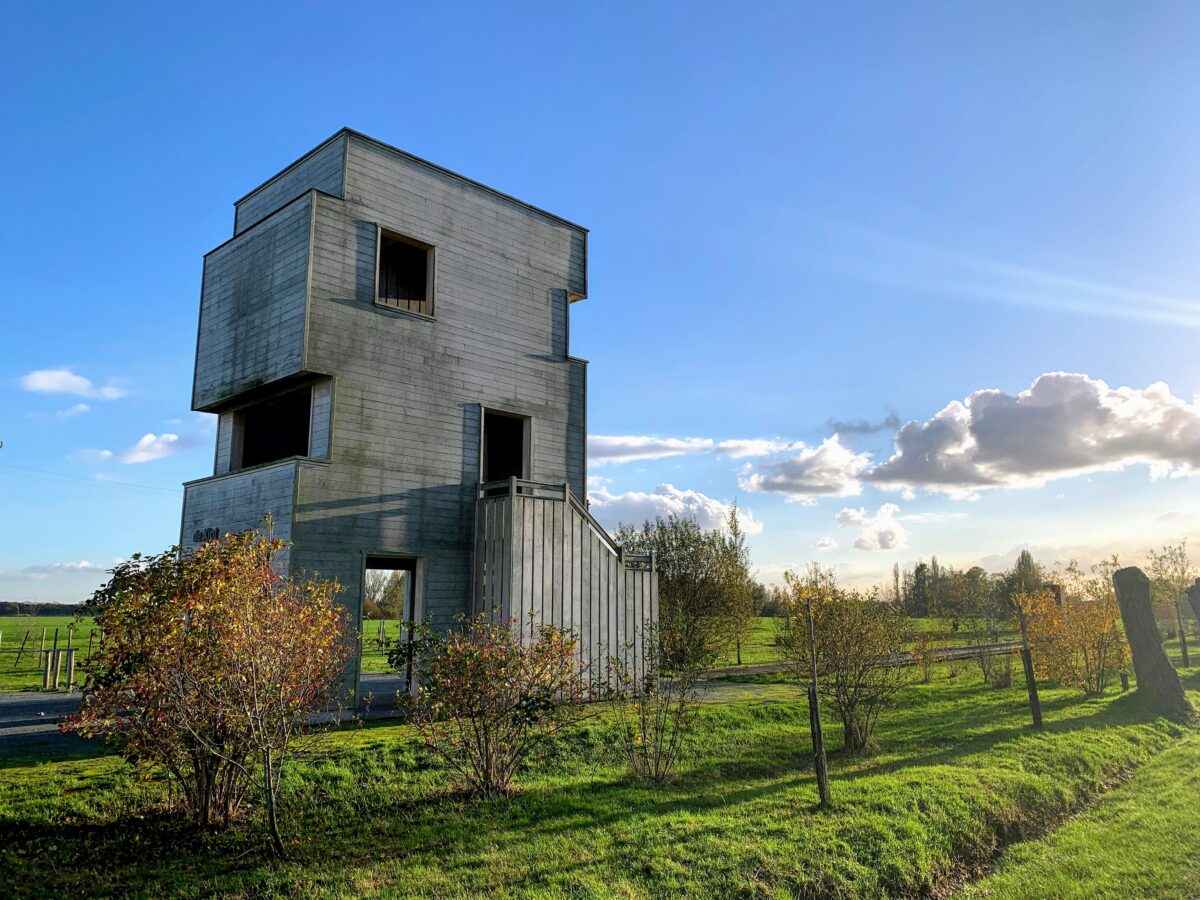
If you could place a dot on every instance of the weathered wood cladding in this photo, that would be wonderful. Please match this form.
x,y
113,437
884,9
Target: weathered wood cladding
x,y
253,308
238,501
405,439
395,429
540,558
321,169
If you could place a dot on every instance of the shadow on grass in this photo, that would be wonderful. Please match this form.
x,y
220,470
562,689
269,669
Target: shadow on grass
x,y
386,807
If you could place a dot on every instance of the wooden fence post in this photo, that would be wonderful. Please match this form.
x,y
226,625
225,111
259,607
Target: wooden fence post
x,y
45,671
21,650
70,668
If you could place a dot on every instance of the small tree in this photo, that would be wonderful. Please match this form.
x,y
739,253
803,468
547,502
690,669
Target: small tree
x,y
738,587
692,588
924,654
1171,575
656,712
487,700
856,638
1078,643
209,665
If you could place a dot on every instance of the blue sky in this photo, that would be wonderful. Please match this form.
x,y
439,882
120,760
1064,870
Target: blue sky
x,y
804,219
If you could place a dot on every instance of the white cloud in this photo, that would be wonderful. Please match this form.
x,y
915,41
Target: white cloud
x,y
881,531
64,381
826,543
82,565
827,470
151,447
1064,425
635,507
737,449
71,411
604,449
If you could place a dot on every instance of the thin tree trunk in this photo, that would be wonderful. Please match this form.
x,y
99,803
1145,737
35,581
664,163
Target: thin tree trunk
x,y
1183,647
269,795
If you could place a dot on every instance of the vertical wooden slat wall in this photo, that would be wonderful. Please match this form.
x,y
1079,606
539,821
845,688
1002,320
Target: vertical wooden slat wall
x,y
540,561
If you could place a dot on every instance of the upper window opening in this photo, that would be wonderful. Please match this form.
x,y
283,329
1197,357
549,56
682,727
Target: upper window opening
x,y
404,279
505,446
275,429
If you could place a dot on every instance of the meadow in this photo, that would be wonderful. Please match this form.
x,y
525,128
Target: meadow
x,y
19,670
958,777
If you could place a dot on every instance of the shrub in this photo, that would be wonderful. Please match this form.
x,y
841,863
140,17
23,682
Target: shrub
x,y
924,654
655,712
209,665
488,700
1080,643
856,638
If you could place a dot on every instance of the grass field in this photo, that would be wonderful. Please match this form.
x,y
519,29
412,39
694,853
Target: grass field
x,y
24,673
959,776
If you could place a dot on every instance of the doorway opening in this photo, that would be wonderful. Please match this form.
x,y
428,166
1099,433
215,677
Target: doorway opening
x,y
389,611
505,452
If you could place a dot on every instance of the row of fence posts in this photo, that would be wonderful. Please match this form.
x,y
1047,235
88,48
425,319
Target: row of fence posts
x,y
54,659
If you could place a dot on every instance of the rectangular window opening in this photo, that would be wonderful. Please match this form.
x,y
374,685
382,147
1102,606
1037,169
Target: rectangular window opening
x,y
274,429
404,278
505,446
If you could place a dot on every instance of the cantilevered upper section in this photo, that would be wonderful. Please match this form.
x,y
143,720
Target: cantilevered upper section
x,y
356,221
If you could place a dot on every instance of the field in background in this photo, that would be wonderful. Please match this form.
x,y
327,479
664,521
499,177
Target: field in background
x,y
21,670
25,674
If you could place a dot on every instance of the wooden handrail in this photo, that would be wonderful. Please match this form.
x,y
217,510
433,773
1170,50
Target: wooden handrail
x,y
510,487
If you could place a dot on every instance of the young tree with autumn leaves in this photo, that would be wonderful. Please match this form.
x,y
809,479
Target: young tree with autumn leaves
x,y
209,666
1079,642
856,638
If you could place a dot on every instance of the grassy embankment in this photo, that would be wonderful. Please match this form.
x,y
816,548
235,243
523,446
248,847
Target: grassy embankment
x,y
958,776
1140,840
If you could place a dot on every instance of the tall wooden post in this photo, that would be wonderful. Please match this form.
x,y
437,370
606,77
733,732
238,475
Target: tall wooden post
x,y
1035,702
820,763
1158,685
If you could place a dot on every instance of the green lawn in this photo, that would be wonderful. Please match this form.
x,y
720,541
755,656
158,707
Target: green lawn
x,y
20,671
760,646
1140,840
959,775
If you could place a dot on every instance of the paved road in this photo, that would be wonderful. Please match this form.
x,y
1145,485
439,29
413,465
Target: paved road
x,y
29,719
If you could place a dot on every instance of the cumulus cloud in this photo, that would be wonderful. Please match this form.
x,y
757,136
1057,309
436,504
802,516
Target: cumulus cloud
x,y
153,446
1065,424
71,411
827,470
881,531
64,381
826,543
635,507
